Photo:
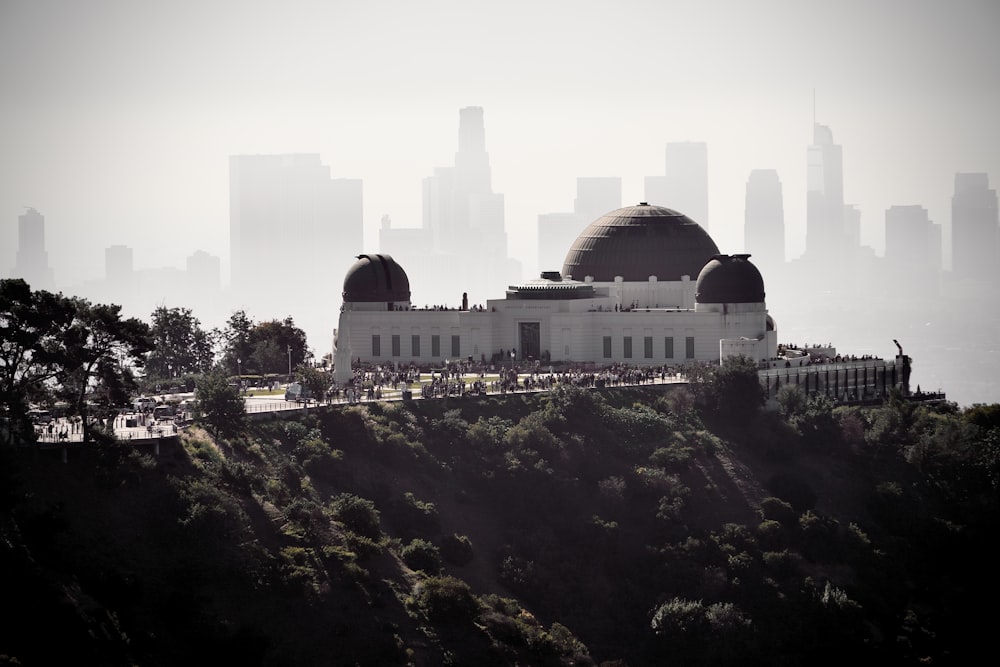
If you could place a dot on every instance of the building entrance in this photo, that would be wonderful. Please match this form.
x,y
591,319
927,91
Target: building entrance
x,y
530,340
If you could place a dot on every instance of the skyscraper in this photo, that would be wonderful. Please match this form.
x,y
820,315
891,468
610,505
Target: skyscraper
x,y
291,226
912,249
825,235
32,260
595,196
466,218
764,220
975,236
687,179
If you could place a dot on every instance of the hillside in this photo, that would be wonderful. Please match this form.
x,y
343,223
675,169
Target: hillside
x,y
628,527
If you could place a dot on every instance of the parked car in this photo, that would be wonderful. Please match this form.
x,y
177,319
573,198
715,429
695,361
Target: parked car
x,y
40,416
143,404
296,392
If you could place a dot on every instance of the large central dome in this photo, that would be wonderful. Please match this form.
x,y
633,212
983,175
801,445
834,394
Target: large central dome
x,y
637,242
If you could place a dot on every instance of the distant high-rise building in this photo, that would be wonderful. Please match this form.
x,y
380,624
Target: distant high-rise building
x,y
912,248
204,271
460,207
556,233
287,214
825,234
595,196
687,180
764,220
32,260
465,218
975,235
291,227
119,265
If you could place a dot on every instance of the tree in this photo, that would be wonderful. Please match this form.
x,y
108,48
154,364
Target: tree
x,y
219,405
263,348
732,393
314,380
180,345
99,351
279,344
31,327
237,347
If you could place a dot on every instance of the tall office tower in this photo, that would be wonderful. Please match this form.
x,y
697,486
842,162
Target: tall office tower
x,y
120,283
912,249
291,228
595,196
460,207
204,271
974,228
825,234
119,267
764,220
466,218
32,260
556,233
687,180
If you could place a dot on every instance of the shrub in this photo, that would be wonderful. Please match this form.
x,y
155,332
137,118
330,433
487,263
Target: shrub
x,y
456,549
446,598
776,509
358,514
675,457
793,490
412,517
422,555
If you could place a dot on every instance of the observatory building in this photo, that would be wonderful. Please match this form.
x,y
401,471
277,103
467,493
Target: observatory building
x,y
642,285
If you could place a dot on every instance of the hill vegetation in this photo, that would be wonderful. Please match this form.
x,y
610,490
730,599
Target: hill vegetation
x,y
625,527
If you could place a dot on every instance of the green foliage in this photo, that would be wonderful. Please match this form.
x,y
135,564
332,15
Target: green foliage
x,y
180,345
731,395
263,348
678,616
316,381
445,598
778,510
54,347
422,555
412,517
220,406
792,489
357,514
984,416
457,549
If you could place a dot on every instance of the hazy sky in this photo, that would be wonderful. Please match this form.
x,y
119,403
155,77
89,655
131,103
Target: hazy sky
x,y
118,117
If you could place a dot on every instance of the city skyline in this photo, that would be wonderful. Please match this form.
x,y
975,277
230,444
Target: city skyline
x,y
908,105
122,117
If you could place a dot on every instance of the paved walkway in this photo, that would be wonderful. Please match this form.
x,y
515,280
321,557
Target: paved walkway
x,y
63,431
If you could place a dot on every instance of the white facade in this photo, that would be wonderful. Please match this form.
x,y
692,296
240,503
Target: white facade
x,y
644,324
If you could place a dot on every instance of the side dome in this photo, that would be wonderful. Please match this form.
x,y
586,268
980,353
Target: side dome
x,y
637,242
376,278
729,279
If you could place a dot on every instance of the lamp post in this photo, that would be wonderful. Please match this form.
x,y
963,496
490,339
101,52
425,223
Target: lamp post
x,y
289,363
239,374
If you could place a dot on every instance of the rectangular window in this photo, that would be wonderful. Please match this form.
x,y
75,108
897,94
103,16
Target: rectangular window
x,y
395,345
689,347
647,347
607,347
456,348
668,347
627,347
415,345
436,346
376,345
